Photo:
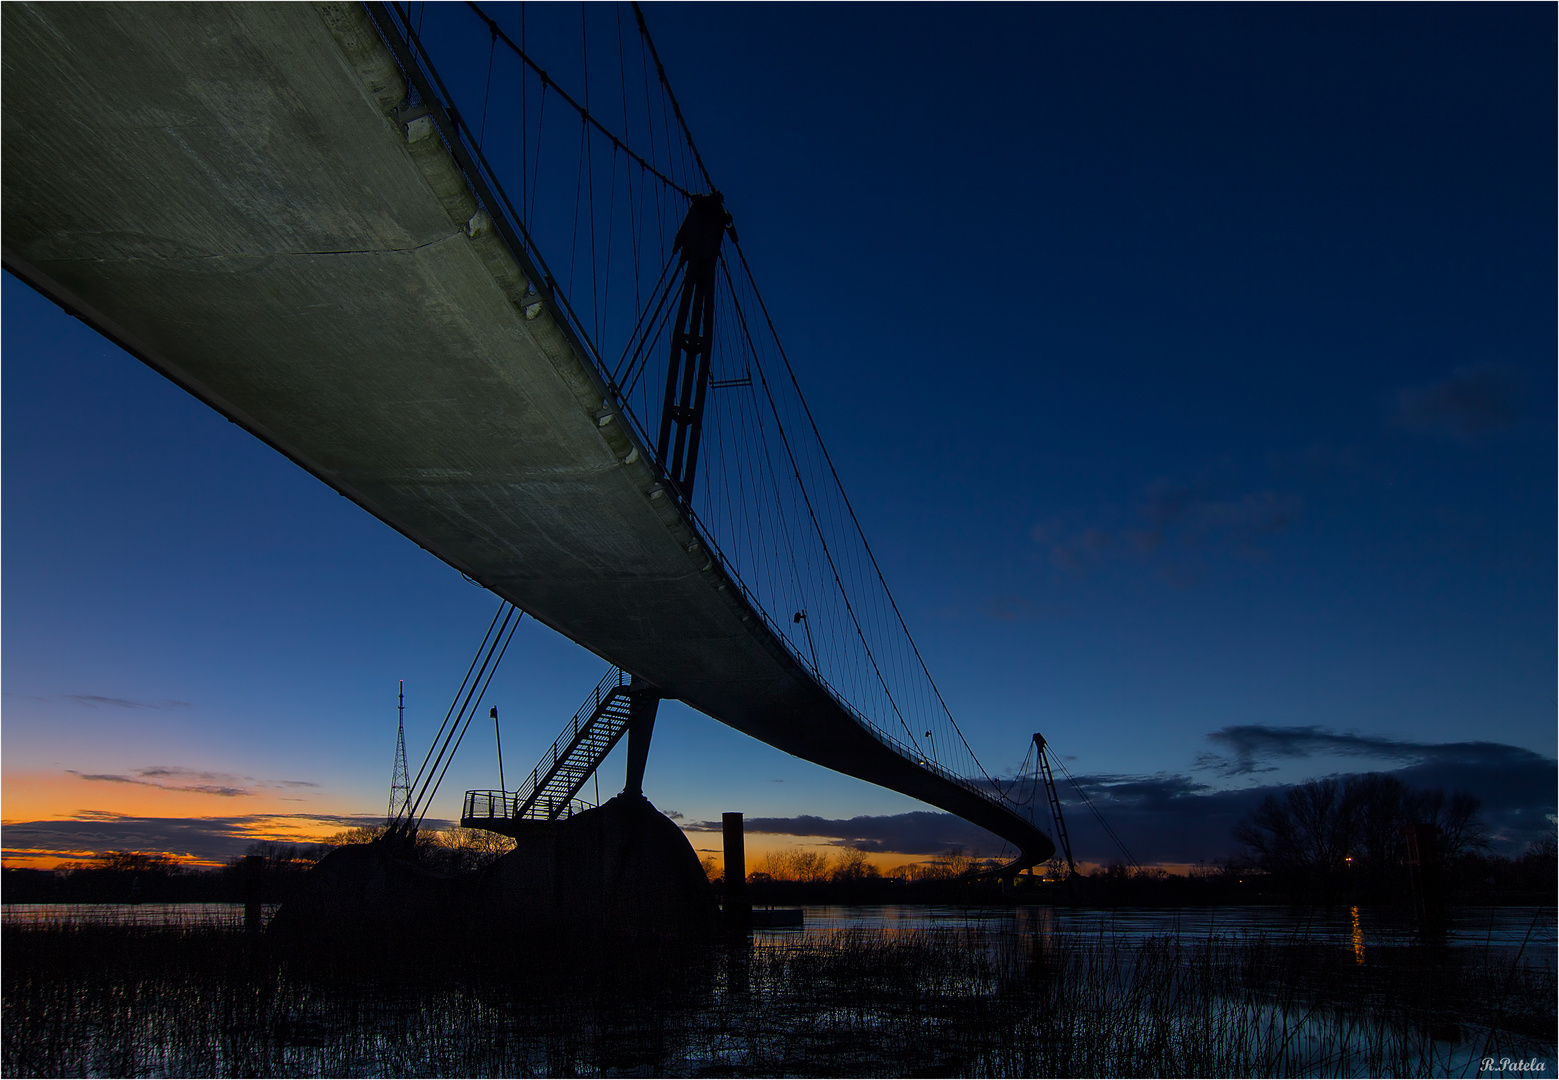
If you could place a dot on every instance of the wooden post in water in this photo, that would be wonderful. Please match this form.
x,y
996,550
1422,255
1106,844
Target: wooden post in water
x,y
252,870
738,909
1423,860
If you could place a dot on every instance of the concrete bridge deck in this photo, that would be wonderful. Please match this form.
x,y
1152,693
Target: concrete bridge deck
x,y
224,190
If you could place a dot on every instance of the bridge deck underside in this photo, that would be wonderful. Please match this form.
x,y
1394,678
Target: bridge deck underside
x,y
220,189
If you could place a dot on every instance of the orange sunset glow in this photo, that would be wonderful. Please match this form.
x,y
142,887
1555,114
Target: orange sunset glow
x,y
33,797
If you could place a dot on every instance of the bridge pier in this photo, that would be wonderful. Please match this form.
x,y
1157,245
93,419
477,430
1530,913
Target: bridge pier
x,y
643,704
738,909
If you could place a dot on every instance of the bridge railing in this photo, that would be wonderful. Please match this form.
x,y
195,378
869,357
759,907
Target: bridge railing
x,y
902,748
487,805
898,745
428,88
501,806
614,680
396,27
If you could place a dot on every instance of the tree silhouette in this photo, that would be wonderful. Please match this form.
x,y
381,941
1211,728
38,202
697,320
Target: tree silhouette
x,y
1321,829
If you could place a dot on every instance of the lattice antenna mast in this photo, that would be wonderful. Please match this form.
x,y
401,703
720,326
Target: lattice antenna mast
x,y
400,782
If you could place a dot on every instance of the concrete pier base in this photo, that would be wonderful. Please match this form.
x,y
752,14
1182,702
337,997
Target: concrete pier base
x,y
620,868
622,871
365,891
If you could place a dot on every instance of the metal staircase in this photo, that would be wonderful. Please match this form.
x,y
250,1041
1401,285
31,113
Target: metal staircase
x,y
548,793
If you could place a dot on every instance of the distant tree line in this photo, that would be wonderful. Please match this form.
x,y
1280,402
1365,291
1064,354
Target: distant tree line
x,y
1325,839
849,865
1353,836
157,877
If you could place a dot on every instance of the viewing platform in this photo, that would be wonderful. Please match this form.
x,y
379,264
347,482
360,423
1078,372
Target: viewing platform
x,y
504,811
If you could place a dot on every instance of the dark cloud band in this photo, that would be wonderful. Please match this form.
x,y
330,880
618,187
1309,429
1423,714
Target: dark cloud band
x,y
208,839
93,701
920,832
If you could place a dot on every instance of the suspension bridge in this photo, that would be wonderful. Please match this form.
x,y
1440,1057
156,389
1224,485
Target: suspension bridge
x,y
495,298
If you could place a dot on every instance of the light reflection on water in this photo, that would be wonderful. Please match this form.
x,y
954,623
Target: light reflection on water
x,y
1353,927
145,916
789,991
1011,937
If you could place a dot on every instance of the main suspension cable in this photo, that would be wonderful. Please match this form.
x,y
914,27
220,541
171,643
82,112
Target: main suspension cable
x,y
774,333
1130,858
585,114
807,498
475,708
482,665
665,83
451,711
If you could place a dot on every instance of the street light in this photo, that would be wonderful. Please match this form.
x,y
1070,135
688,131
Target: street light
x,y
499,740
801,617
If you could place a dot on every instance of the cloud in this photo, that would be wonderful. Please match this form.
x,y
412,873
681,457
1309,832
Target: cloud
x,y
1255,744
93,701
1175,524
1009,608
1467,405
919,832
98,815
1074,554
199,781
1194,513
179,771
206,839
1167,818
1176,818
223,790
1515,785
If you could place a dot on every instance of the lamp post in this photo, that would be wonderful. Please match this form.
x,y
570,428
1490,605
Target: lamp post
x,y
801,617
499,740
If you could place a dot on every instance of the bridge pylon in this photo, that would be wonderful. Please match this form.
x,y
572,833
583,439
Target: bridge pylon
x,y
643,704
692,340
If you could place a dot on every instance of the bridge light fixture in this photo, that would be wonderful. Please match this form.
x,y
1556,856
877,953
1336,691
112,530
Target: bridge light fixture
x,y
419,128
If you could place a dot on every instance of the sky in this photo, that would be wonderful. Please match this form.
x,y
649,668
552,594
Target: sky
x,y
1190,368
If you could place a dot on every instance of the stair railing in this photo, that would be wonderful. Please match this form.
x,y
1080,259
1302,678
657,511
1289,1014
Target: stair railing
x,y
611,682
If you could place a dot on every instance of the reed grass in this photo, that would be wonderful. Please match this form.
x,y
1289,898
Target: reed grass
x,y
133,1001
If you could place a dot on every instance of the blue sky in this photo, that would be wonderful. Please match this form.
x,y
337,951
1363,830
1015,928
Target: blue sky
x,y
1191,369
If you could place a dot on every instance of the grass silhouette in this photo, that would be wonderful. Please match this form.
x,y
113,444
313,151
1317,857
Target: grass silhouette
x,y
136,1001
